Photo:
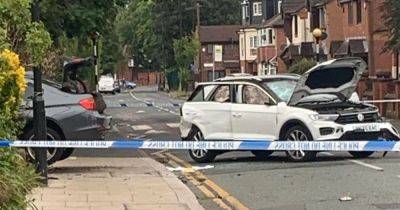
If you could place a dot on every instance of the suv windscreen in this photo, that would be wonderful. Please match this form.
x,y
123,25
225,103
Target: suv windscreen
x,y
282,88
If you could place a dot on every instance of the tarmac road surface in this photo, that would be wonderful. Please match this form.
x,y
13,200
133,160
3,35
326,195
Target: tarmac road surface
x,y
237,180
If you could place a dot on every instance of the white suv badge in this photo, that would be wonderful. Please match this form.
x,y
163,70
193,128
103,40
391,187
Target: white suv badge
x,y
360,117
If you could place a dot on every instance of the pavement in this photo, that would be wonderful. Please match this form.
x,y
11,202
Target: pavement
x,y
237,180
113,184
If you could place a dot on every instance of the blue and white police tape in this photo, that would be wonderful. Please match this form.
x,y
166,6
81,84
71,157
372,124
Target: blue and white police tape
x,y
383,146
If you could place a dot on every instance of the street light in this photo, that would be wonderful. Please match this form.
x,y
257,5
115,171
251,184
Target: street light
x,y
317,33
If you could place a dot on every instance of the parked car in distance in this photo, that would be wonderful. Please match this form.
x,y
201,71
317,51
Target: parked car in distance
x,y
130,85
315,106
68,116
107,84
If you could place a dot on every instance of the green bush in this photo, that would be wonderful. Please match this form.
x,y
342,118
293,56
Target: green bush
x,y
302,66
17,178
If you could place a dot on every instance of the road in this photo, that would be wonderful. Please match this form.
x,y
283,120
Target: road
x,y
239,181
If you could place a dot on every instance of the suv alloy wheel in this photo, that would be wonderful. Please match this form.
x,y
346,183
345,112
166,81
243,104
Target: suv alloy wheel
x,y
299,133
200,155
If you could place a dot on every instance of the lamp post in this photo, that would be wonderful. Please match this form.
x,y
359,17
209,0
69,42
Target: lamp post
x,y
95,36
39,114
317,33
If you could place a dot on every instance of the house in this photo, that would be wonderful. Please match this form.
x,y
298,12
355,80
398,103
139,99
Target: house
x,y
221,39
272,41
352,28
255,15
298,30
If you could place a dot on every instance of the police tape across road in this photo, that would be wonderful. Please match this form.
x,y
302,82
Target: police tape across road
x,y
377,146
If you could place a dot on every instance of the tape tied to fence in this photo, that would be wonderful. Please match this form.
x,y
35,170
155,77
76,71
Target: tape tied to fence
x,y
215,145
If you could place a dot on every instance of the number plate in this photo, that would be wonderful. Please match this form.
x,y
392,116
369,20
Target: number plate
x,y
366,128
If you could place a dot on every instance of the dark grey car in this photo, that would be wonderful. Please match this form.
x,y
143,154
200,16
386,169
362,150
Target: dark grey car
x,y
69,117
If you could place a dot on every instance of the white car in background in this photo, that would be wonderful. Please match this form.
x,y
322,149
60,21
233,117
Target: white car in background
x,y
107,84
316,106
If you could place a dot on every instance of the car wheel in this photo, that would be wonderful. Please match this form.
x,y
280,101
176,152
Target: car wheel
x,y
53,154
67,152
200,155
261,154
361,154
299,133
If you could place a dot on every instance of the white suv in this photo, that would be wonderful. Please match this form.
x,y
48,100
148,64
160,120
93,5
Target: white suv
x,y
320,105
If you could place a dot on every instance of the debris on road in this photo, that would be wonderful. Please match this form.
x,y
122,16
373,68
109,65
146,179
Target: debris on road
x,y
345,198
191,169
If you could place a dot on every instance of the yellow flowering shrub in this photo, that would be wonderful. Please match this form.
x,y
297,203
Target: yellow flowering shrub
x,y
12,88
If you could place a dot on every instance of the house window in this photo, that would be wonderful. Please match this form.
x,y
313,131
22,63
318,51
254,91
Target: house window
x,y
279,6
350,13
257,9
253,42
245,12
263,37
210,49
296,27
358,11
241,46
322,17
271,36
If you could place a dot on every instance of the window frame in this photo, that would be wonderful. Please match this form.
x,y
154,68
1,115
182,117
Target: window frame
x,y
260,90
296,26
214,91
350,13
257,8
358,11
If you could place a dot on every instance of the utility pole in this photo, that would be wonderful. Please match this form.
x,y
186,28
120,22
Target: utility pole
x,y
39,114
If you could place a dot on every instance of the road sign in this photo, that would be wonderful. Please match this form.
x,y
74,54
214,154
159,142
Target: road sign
x,y
218,53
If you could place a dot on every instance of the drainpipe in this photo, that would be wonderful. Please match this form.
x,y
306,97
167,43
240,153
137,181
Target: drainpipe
x,y
245,51
371,61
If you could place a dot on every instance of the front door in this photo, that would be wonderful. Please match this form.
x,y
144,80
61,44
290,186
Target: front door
x,y
253,114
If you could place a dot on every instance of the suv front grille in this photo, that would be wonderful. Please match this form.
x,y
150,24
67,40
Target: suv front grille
x,y
352,118
365,136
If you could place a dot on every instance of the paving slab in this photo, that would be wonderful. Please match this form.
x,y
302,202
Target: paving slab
x,y
113,183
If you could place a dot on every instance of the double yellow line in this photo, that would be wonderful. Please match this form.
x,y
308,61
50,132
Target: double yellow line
x,y
209,188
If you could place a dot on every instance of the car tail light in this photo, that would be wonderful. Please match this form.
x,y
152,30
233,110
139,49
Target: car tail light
x,y
88,103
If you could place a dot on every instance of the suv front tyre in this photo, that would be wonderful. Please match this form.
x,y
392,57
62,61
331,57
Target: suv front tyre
x,y
299,133
198,155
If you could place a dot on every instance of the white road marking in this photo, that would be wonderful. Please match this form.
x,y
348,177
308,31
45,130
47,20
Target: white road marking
x,y
141,127
357,162
366,165
140,111
154,132
191,169
173,125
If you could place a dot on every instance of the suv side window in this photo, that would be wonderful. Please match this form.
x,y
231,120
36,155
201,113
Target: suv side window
x,y
253,95
201,93
222,94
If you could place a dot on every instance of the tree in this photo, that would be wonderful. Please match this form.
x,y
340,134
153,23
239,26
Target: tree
x,y
185,50
70,23
18,33
391,16
302,66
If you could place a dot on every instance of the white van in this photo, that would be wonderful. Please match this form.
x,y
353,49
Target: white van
x,y
106,84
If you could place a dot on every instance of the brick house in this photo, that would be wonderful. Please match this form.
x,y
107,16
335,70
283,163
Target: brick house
x,y
255,15
354,28
272,41
220,35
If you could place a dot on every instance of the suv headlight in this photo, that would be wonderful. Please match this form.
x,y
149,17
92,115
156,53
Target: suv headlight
x,y
324,117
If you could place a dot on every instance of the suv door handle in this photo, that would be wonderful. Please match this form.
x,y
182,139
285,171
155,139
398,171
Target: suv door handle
x,y
238,115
